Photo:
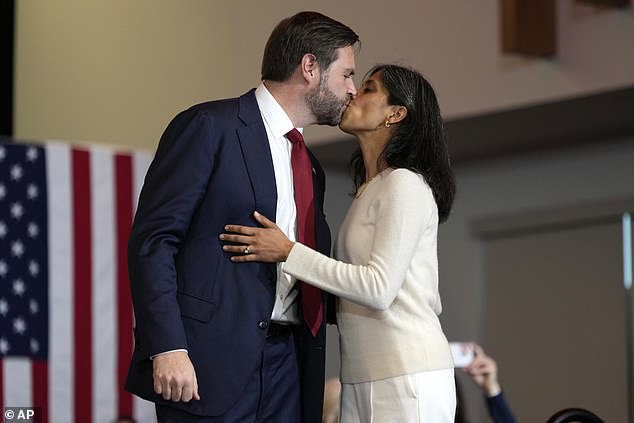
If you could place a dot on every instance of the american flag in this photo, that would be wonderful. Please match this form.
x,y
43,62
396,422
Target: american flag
x,y
65,310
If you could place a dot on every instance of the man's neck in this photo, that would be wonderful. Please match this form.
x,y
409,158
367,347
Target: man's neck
x,y
291,96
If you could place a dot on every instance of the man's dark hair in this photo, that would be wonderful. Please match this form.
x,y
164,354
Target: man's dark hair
x,y
304,33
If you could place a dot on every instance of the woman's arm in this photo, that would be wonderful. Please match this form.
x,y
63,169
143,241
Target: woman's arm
x,y
404,208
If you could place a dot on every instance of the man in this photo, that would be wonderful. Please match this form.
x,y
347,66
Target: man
x,y
217,341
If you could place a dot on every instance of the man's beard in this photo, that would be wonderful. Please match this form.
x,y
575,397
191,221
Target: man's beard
x,y
325,105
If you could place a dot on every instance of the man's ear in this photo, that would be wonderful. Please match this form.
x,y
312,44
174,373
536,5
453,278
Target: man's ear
x,y
310,67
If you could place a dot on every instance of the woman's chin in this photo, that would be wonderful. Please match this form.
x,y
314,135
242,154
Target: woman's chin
x,y
345,128
344,125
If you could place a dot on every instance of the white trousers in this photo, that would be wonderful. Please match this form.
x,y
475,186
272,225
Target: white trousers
x,y
425,397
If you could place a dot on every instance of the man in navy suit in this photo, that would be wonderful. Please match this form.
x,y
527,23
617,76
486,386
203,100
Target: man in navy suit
x,y
217,341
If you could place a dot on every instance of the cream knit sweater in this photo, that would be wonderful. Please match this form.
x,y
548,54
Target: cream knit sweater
x,y
386,277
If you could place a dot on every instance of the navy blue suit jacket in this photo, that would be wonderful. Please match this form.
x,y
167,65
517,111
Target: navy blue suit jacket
x,y
213,166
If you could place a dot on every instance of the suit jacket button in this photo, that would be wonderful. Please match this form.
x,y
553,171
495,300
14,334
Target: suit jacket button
x,y
263,325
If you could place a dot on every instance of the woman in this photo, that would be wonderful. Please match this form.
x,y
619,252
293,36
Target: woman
x,y
395,360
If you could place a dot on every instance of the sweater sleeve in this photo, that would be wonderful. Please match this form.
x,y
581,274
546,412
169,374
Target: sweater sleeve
x,y
499,409
405,206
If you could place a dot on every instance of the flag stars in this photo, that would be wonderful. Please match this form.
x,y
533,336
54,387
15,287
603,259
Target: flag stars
x,y
19,325
17,211
4,268
4,307
23,300
35,346
17,172
34,268
34,307
4,346
17,249
31,154
33,230
32,191
19,287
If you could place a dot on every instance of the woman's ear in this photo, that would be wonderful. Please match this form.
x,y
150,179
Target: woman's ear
x,y
397,115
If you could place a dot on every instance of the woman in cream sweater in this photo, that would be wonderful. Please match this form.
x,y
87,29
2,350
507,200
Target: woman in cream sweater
x,y
395,360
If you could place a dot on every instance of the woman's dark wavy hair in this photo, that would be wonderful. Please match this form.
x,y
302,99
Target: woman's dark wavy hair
x,y
419,142
303,33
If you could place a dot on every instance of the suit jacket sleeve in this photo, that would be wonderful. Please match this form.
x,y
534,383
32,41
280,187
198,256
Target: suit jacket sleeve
x,y
173,188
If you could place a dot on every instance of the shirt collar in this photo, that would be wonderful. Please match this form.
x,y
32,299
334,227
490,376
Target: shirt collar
x,y
274,116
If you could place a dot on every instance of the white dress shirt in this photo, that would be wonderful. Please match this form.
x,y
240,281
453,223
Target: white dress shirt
x,y
277,124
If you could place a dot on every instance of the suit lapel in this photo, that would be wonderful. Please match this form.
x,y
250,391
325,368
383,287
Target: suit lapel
x,y
257,155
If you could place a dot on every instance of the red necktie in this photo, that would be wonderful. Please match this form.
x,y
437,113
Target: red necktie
x,y
305,204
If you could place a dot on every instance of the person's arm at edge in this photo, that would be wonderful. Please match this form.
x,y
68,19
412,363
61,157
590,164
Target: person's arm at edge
x,y
165,209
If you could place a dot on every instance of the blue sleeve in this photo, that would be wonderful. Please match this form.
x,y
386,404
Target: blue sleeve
x,y
499,409
174,186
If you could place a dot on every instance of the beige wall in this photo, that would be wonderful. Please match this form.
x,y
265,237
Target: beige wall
x,y
116,71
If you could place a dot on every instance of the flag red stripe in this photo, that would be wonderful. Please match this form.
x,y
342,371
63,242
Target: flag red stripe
x,y
40,389
82,245
123,175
